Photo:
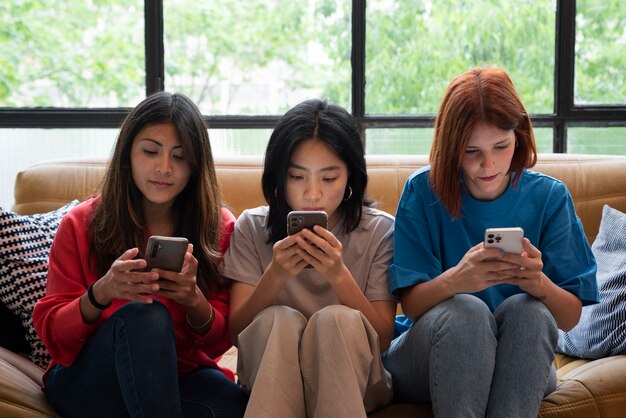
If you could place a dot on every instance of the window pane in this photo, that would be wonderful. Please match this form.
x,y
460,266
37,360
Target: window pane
x,y
404,141
544,139
412,141
600,52
609,141
22,148
261,57
414,49
233,142
56,53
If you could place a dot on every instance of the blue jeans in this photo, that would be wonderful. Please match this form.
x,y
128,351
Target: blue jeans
x,y
128,368
469,362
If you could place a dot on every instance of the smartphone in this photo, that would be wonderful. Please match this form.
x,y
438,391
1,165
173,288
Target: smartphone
x,y
166,253
298,220
507,239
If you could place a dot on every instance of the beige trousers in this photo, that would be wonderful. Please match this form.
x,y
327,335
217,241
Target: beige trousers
x,y
327,367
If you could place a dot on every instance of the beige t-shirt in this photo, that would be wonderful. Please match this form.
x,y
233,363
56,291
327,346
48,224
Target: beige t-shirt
x,y
367,252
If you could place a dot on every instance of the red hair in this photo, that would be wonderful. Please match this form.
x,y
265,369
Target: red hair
x,y
484,95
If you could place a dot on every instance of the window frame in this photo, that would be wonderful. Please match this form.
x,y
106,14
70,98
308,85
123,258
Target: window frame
x,y
565,114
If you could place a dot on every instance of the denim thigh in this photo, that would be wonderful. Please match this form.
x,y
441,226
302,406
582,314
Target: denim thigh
x,y
127,368
207,392
446,358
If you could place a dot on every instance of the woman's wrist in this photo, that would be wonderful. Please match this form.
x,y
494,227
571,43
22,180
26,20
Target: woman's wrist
x,y
206,325
447,283
94,302
275,276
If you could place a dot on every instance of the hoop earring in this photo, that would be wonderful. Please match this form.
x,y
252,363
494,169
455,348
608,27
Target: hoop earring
x,y
349,195
516,143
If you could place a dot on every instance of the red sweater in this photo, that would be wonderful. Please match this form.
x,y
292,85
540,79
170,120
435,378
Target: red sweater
x,y
57,316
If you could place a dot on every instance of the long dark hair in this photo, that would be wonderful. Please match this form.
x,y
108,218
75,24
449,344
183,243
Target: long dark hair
x,y
118,221
332,125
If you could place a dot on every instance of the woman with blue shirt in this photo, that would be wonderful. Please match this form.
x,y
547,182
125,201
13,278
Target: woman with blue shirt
x,y
480,325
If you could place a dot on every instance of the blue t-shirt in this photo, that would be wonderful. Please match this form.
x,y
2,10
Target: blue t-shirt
x,y
428,241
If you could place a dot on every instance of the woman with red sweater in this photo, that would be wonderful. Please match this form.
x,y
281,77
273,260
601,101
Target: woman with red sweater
x,y
125,340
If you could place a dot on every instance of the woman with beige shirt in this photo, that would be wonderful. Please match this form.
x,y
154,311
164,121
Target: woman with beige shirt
x,y
311,312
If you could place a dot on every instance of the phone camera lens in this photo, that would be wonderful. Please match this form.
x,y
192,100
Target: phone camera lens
x,y
155,250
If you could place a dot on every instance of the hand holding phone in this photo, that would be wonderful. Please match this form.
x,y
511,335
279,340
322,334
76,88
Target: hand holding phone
x,y
166,253
507,239
298,220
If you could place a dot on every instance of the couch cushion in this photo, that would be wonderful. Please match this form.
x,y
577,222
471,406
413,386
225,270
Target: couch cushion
x,y
601,330
24,249
20,395
594,389
48,185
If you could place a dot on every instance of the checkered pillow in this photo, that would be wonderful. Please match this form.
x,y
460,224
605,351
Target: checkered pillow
x,y
24,249
601,330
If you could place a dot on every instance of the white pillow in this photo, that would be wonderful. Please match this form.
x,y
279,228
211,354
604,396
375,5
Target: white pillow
x,y
24,250
601,331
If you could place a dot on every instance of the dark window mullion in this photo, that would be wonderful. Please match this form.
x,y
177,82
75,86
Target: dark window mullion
x,y
61,118
566,113
564,70
358,59
155,69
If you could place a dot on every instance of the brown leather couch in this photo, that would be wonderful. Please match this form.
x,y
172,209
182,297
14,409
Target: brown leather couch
x,y
586,389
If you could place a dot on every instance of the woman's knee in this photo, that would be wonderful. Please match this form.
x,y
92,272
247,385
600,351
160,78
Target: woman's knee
x,y
338,321
466,312
457,316
522,306
281,313
143,311
454,324
336,313
145,318
279,318
524,311
336,317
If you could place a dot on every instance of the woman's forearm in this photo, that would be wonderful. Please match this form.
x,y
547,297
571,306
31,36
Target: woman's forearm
x,y
247,301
